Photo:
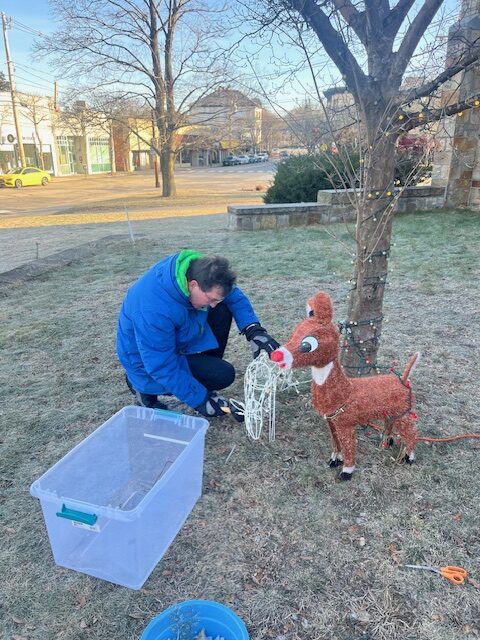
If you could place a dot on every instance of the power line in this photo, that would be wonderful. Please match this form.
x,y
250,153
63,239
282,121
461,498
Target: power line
x,y
29,68
49,77
33,84
43,82
25,28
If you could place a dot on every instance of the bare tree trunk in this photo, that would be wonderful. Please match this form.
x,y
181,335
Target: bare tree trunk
x,y
42,163
167,165
373,234
160,114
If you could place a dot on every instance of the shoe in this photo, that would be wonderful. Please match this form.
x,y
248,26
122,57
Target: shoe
x,y
147,400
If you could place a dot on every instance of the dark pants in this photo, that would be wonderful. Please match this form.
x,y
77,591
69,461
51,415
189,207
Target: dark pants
x,y
207,367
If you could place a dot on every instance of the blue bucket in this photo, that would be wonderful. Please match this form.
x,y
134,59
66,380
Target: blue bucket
x,y
215,618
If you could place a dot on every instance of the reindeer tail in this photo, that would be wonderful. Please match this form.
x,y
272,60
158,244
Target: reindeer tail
x,y
411,364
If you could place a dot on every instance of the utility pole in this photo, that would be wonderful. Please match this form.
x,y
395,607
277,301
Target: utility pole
x,y
12,91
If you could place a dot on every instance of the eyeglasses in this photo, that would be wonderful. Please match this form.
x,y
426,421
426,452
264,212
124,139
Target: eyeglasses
x,y
213,300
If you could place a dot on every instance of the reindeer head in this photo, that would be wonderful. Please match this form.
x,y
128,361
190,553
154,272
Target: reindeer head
x,y
314,341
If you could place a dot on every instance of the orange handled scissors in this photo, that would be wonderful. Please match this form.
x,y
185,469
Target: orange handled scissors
x,y
456,575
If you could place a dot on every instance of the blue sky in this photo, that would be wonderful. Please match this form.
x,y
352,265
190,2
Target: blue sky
x,y
36,76
30,75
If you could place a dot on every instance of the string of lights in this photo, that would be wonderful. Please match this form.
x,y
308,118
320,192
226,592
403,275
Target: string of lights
x,y
363,346
362,337
372,281
402,120
385,253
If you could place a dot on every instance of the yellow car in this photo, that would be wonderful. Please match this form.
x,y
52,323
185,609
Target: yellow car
x,y
24,177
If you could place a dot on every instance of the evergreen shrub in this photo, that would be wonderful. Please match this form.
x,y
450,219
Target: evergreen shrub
x,y
298,178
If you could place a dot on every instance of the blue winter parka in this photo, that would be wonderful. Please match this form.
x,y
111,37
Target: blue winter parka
x,y
158,327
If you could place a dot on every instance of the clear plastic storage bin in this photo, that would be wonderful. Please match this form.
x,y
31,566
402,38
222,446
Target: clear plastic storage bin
x,y
113,505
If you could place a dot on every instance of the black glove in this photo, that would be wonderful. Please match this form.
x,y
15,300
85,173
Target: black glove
x,y
259,339
211,407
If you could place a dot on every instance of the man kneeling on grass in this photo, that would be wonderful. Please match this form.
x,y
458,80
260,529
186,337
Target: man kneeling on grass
x,y
173,329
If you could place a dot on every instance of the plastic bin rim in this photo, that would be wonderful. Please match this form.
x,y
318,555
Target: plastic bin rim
x,y
217,605
113,512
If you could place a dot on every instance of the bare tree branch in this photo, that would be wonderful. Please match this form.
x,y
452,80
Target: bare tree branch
x,y
413,35
330,38
468,62
354,18
420,118
397,15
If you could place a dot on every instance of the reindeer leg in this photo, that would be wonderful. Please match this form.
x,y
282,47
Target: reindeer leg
x,y
407,430
336,458
387,433
347,438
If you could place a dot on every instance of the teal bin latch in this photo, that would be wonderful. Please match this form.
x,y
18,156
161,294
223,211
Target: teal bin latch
x,y
77,516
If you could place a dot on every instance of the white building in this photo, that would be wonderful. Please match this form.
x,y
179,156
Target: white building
x,y
61,142
35,120
84,141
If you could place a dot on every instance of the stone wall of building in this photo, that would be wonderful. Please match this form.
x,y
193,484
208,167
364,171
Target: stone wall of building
x,y
457,159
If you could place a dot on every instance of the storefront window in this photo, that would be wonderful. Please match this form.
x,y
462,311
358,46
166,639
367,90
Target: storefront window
x,y
99,155
65,155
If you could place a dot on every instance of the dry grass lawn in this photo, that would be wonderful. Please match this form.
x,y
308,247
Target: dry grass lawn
x,y
298,554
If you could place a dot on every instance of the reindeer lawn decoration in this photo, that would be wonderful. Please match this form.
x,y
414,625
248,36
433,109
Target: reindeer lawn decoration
x,y
347,402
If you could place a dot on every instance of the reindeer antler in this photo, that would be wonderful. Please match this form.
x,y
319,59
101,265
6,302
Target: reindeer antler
x,y
322,307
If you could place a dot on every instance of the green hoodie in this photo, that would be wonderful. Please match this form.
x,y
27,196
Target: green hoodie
x,y
184,259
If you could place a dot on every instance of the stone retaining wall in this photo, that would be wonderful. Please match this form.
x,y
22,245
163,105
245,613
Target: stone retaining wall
x,y
421,199
332,206
278,216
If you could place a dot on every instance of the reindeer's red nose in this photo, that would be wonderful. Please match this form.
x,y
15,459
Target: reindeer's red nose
x,y
277,355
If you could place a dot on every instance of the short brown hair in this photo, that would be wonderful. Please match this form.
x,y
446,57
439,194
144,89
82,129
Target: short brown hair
x,y
212,271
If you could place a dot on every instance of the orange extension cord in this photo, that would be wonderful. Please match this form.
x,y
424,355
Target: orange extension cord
x,y
431,439
448,438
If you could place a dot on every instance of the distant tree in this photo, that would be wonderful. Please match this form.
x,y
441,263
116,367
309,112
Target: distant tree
x,y
76,118
37,110
4,84
273,128
307,124
161,52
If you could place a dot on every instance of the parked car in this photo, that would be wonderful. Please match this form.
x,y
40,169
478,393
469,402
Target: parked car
x,y
229,161
26,177
263,157
243,159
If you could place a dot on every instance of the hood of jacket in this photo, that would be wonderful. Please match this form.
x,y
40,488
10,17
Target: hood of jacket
x,y
171,274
